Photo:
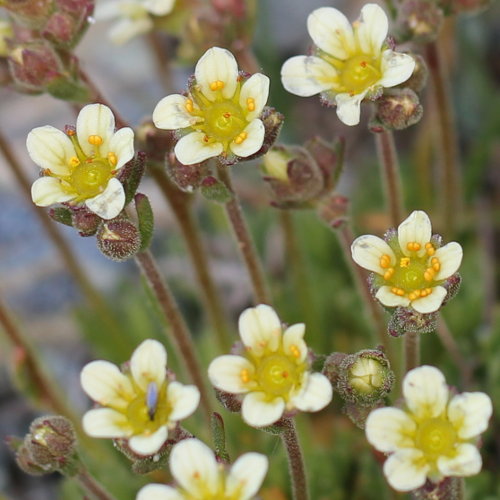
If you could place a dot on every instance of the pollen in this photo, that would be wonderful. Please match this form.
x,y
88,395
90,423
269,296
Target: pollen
x,y
245,376
404,262
251,104
425,292
95,140
217,85
73,162
385,261
429,247
415,294
363,64
189,106
436,265
295,351
70,132
429,274
388,274
413,246
112,158
206,138
240,137
398,291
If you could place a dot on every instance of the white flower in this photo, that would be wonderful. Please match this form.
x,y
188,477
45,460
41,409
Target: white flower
x,y
350,62
274,374
81,167
221,112
135,17
199,476
411,269
434,438
140,405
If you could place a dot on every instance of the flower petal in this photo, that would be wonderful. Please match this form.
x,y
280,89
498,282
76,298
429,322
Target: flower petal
x,y
183,399
260,329
389,429
159,492
246,475
95,119
430,303
171,113
128,28
348,107
331,32
106,384
193,149
425,392
225,372
415,229
110,202
450,258
255,138
159,7
256,88
293,342
389,299
258,411
149,444
371,29
405,470
190,459
396,68
46,191
316,393
469,413
122,145
50,149
104,11
307,75
105,423
367,250
217,65
148,364
466,462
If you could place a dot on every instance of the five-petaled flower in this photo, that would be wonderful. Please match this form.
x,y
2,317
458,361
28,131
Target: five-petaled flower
x,y
220,114
273,374
81,166
140,404
349,62
434,438
135,17
199,476
410,269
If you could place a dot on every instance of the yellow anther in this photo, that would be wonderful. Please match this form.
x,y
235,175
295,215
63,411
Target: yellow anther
x,y
251,104
112,158
295,351
436,266
245,376
413,246
206,138
70,132
430,249
240,137
404,262
47,171
217,85
429,274
389,273
428,290
397,291
73,162
415,294
95,140
189,106
385,261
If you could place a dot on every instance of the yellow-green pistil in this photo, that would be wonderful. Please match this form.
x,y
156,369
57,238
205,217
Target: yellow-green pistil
x,y
436,437
412,276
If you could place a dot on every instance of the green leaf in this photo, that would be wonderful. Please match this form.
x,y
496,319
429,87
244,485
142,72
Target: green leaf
x,y
214,190
146,219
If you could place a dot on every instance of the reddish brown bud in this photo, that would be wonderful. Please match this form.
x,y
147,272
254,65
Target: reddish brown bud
x,y
420,20
29,12
398,109
85,221
118,239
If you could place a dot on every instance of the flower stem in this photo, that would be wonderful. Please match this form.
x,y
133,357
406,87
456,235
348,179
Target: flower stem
x,y
179,329
180,203
448,137
411,350
295,460
91,486
390,172
244,239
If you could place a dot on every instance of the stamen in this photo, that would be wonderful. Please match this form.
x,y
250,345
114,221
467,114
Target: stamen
x,y
245,376
436,265
363,64
217,85
189,106
295,351
73,162
70,132
112,158
385,261
404,262
415,294
398,291
251,104
206,138
240,137
95,140
388,273
47,171
430,249
226,115
413,246
284,374
429,274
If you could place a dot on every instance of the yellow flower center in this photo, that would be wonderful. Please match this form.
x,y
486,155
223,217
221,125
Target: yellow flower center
x,y
224,121
277,374
359,73
90,179
436,437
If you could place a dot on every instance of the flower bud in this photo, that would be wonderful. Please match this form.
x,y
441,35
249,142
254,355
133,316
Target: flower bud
x,y
85,221
419,77
399,109
275,164
420,20
30,13
118,239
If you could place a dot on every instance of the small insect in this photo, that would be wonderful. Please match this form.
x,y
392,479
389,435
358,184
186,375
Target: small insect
x,y
152,399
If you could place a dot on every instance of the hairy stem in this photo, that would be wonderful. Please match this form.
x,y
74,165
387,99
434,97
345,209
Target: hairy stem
x,y
173,317
411,350
91,486
244,239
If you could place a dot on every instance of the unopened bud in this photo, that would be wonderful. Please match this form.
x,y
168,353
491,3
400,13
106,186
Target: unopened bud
x,y
30,13
275,164
420,20
85,221
118,239
419,77
398,109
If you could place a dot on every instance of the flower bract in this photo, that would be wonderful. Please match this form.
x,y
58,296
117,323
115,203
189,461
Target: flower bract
x,y
411,269
140,405
81,166
349,62
220,114
200,477
434,437
273,376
